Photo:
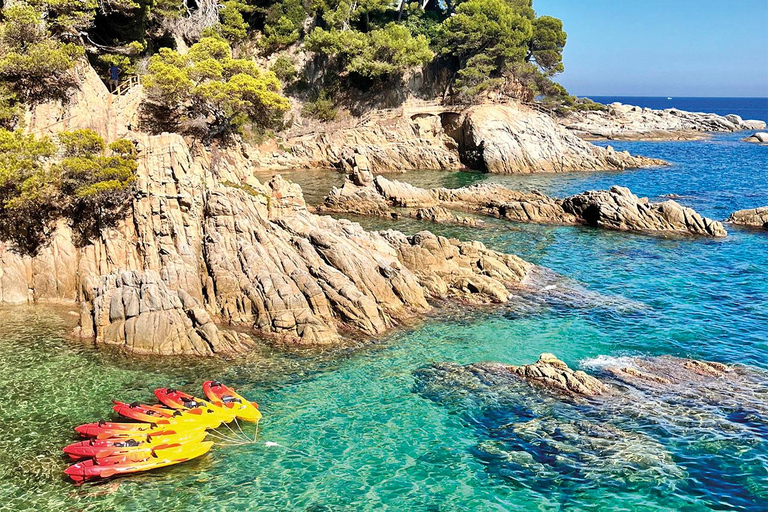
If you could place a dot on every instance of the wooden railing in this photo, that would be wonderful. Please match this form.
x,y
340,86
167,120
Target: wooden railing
x,y
128,83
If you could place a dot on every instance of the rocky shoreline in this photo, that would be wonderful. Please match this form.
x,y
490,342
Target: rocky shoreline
x,y
195,249
615,209
629,122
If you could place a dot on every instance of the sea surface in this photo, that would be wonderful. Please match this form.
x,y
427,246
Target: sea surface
x,y
348,429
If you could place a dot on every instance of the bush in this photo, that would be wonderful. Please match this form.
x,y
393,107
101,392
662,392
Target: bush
x,y
322,108
284,69
379,54
33,64
207,87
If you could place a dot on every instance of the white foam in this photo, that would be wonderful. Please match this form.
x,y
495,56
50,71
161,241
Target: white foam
x,y
602,361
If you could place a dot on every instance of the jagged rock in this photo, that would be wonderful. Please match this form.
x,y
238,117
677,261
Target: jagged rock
x,y
505,139
758,138
137,311
495,138
619,209
213,244
627,122
616,208
552,373
382,144
755,217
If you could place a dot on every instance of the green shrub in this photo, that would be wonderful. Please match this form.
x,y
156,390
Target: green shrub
x,y
322,108
284,69
89,186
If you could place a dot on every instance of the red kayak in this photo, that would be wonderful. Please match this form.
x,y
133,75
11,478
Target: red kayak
x,y
117,445
168,455
139,412
107,427
176,399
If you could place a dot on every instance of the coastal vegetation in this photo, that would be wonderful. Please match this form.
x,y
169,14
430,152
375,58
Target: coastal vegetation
x,y
76,177
212,67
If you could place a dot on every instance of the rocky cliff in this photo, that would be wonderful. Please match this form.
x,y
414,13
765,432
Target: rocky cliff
x,y
616,209
628,122
204,241
509,138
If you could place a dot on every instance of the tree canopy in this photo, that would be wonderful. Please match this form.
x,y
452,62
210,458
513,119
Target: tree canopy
x,y
88,184
208,87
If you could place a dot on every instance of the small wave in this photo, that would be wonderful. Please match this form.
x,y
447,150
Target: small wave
x,y
600,362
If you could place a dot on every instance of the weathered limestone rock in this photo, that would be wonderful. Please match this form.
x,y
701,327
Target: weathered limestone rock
x,y
755,217
552,373
616,209
627,122
506,139
758,138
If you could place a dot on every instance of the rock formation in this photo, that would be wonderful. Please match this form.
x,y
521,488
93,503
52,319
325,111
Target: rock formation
x,y
754,217
495,138
616,209
541,430
758,138
552,373
509,139
627,122
203,242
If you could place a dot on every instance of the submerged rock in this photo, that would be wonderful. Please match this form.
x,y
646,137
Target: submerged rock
x,y
755,217
616,209
550,435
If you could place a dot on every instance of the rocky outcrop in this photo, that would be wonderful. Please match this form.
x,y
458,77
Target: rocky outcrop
x,y
616,209
758,138
754,217
381,144
619,209
552,373
137,311
509,139
627,122
203,242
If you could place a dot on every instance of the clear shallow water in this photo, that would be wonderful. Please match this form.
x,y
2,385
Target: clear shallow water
x,y
353,432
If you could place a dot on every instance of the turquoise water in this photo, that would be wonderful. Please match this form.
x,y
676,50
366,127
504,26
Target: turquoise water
x,y
352,432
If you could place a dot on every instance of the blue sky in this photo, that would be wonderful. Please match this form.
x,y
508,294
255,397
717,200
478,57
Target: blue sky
x,y
663,47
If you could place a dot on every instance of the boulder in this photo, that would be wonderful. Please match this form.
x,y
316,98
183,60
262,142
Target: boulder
x,y
758,138
509,139
754,217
